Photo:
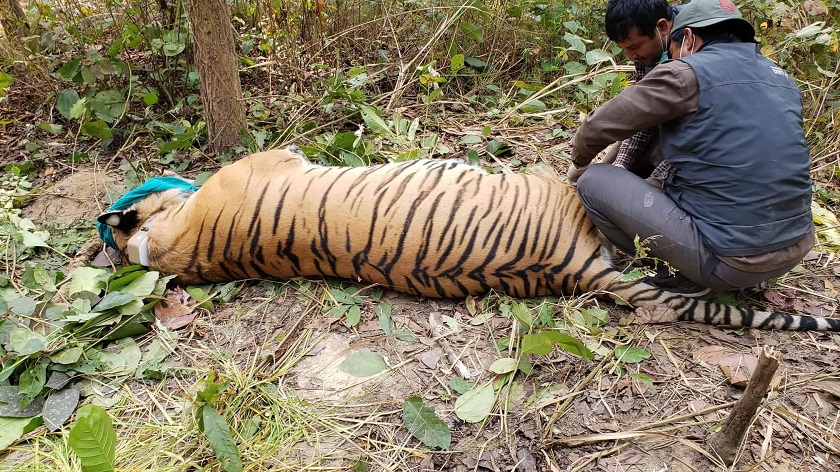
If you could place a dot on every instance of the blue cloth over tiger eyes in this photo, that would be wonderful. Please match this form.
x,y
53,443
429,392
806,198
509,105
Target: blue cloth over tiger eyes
x,y
153,185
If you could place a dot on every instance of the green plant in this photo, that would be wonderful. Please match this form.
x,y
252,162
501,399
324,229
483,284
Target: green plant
x,y
213,425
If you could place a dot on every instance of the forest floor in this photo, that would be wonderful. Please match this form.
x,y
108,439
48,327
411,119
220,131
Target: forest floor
x,y
568,414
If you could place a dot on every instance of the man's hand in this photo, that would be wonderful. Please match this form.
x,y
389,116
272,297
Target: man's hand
x,y
575,172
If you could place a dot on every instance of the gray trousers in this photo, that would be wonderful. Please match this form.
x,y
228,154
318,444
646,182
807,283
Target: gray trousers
x,y
623,205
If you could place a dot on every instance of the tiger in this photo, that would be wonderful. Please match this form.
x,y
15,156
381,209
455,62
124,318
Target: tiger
x,y
438,228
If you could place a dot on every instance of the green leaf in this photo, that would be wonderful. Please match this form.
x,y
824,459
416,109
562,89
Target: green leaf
x,y
354,315
476,404
534,106
522,313
471,139
57,380
37,278
6,80
23,306
643,379
97,129
51,128
142,285
634,274
69,355
456,63
121,358
24,341
536,343
152,363
341,296
525,365
373,120
113,300
475,62
405,335
630,354
503,365
217,431
473,157
460,385
79,108
597,56
11,399
569,344
12,429
810,30
59,406
93,439
108,105
69,70
211,390
199,295
383,312
363,364
32,380
150,98
592,317
87,279
472,31
34,239
338,311
424,424
575,42
120,279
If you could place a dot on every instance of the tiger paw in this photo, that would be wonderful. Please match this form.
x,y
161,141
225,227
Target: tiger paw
x,y
655,314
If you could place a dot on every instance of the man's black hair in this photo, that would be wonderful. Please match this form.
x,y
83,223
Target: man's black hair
x,y
623,15
717,33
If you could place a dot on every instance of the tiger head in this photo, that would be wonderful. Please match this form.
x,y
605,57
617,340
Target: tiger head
x,y
118,227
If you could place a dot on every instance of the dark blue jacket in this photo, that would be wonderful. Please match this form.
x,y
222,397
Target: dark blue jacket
x,y
740,164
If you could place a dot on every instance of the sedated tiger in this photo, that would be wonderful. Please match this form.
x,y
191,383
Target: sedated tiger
x,y
438,228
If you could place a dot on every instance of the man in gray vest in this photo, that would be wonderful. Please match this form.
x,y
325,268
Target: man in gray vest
x,y
735,207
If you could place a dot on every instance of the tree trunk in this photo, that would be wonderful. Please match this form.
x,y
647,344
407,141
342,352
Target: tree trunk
x,y
217,63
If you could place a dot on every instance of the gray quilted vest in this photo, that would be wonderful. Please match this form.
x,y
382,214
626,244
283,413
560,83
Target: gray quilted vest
x,y
741,165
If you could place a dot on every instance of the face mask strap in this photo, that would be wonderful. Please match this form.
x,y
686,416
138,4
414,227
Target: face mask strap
x,y
665,55
693,43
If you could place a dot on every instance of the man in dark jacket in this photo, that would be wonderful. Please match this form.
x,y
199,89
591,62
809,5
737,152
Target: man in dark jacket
x,y
734,210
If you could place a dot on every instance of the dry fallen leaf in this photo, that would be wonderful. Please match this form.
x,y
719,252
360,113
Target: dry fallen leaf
x,y
177,310
710,354
777,298
738,369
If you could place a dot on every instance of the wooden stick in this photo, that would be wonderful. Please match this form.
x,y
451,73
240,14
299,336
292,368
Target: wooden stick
x,y
727,442
436,324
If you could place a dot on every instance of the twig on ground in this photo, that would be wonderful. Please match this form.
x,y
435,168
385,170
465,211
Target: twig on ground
x,y
436,324
558,412
727,442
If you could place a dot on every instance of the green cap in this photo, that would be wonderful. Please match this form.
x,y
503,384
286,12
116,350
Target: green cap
x,y
700,13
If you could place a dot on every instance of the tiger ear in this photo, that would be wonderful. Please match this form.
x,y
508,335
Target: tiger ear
x,y
123,220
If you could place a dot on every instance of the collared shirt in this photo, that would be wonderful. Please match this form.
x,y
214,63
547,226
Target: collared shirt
x,y
633,148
